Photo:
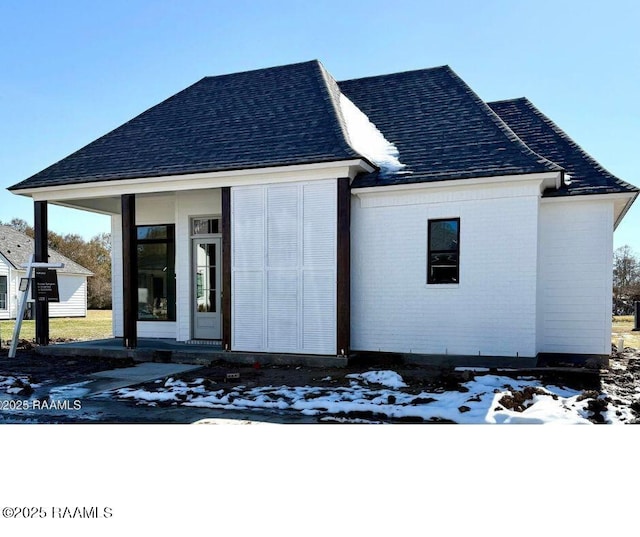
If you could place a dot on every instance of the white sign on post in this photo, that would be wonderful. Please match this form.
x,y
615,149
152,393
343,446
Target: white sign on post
x,y
31,266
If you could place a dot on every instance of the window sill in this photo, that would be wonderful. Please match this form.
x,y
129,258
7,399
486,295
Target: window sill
x,y
442,285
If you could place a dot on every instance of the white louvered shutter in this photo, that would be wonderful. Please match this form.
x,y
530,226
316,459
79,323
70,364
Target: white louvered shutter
x,y
247,273
284,268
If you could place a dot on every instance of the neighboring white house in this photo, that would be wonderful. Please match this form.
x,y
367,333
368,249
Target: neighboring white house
x,y
279,211
15,250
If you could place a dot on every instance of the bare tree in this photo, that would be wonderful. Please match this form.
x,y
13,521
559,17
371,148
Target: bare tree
x,y
626,280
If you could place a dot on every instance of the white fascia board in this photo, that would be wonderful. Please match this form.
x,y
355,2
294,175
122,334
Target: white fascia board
x,y
622,202
199,181
9,263
546,180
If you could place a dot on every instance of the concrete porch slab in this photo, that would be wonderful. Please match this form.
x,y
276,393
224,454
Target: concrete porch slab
x,y
176,352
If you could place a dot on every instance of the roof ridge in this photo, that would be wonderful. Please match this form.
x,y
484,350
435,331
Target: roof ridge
x,y
334,92
504,128
515,99
444,67
261,69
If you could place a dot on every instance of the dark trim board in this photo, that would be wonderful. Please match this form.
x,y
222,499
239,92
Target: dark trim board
x,y
129,271
343,268
226,268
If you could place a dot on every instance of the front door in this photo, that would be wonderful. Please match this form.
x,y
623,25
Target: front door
x,y
207,261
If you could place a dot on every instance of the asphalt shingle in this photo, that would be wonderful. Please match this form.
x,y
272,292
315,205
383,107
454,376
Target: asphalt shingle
x,y
268,117
546,138
441,128
291,115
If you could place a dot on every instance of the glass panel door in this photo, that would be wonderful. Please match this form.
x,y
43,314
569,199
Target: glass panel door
x,y
206,293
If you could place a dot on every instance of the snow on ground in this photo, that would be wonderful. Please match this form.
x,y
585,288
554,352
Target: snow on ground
x,y
378,396
16,385
390,379
70,391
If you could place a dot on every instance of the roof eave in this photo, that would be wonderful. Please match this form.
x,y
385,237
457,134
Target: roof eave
x,y
180,182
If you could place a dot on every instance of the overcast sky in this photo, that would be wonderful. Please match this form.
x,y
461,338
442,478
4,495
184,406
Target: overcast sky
x,y
70,71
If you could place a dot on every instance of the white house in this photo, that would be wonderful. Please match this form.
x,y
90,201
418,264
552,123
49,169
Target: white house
x,y
15,250
279,211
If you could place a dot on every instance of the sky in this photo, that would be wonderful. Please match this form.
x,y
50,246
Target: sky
x,y
71,71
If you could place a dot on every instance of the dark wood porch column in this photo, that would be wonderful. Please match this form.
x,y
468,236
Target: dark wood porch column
x,y
129,271
343,279
41,255
226,268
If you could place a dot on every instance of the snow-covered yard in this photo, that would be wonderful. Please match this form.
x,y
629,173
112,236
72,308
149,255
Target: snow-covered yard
x,y
382,396
16,385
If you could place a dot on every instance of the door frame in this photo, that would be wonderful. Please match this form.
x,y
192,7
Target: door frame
x,y
206,238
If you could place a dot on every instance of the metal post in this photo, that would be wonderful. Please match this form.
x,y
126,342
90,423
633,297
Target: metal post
x,y
636,324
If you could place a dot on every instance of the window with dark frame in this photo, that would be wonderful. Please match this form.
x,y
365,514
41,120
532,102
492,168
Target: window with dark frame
x,y
443,257
156,273
3,292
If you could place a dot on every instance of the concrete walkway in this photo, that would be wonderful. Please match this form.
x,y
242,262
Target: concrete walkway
x,y
128,376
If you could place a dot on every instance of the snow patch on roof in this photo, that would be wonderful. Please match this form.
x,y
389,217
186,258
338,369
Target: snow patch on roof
x,y
367,139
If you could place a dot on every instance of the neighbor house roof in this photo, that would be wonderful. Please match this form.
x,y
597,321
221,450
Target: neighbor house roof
x,y
268,117
434,126
546,138
17,248
441,128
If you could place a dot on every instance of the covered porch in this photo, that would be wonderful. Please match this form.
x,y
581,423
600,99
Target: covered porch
x,y
170,264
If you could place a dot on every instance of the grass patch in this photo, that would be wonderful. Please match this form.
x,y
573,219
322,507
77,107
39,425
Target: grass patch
x,y
623,326
96,325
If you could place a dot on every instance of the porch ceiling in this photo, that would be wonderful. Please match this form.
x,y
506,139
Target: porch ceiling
x,y
105,205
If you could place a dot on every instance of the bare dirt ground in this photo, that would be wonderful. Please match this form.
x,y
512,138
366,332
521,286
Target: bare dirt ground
x,y
619,384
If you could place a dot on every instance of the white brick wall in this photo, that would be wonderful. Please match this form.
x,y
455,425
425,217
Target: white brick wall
x,y
491,311
575,277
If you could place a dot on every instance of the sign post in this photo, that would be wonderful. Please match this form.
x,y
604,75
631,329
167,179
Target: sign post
x,y
46,286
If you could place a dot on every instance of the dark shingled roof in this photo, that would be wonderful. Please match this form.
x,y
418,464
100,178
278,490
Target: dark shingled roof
x,y
17,247
268,117
441,128
291,115
546,138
